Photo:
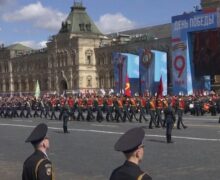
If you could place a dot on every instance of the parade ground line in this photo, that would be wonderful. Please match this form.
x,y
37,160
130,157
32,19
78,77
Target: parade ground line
x,y
113,132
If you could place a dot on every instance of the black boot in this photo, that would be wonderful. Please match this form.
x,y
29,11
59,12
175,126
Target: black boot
x,y
65,129
167,136
169,139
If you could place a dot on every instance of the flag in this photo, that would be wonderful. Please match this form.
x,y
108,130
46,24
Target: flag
x,y
160,88
37,90
127,91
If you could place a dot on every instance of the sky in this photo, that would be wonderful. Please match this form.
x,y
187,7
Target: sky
x,y
32,22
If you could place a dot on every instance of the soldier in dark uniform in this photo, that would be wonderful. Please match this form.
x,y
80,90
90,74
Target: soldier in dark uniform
x,y
14,112
213,107
47,109
2,109
22,109
131,144
8,110
61,108
42,108
65,116
197,106
28,109
169,120
36,108
126,107
37,166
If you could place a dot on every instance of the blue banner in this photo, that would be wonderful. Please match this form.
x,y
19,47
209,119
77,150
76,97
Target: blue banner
x,y
183,26
153,65
120,71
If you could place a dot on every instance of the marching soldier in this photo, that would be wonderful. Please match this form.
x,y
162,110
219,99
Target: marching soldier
x,y
47,109
62,103
71,103
159,107
197,106
213,107
142,106
180,110
170,120
99,116
53,106
89,104
36,107
28,109
166,103
38,166
80,105
109,109
131,144
152,112
118,109
126,107
65,116
42,108
2,107
133,106
14,112
8,110
22,108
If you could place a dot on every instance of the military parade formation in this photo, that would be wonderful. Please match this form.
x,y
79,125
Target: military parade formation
x,y
157,111
152,111
110,108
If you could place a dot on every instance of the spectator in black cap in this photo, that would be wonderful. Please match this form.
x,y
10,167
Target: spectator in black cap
x,y
131,144
37,166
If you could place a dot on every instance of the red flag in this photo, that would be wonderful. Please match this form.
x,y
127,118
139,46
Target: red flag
x,y
127,87
160,88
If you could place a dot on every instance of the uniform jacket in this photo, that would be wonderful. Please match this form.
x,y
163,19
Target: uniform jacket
x,y
129,171
37,167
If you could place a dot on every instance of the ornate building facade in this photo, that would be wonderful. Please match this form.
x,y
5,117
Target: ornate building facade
x,y
68,62
79,57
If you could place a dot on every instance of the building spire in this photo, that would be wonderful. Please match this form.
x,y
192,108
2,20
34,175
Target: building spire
x,y
78,3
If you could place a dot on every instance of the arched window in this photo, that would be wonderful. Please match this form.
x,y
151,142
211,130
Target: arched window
x,y
88,55
89,81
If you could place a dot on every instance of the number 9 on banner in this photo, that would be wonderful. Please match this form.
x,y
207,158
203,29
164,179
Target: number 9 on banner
x,y
179,65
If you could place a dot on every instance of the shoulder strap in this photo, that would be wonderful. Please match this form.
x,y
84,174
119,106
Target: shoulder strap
x,y
53,175
141,176
37,166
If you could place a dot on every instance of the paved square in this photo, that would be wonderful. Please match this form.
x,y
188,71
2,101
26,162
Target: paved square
x,y
87,153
